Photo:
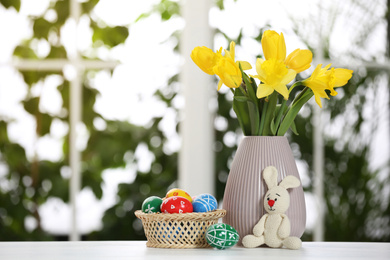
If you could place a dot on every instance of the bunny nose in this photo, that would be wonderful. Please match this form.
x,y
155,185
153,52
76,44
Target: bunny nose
x,y
271,203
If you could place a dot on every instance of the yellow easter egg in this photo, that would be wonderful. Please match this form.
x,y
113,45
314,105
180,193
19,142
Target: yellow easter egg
x,y
178,192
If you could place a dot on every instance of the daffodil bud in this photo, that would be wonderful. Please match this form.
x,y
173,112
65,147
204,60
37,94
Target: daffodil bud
x,y
205,58
299,60
273,45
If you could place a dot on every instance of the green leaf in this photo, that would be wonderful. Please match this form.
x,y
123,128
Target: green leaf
x,y
11,3
15,156
111,36
263,113
88,112
241,98
92,178
31,105
293,128
57,52
43,120
61,187
3,133
254,118
87,6
293,111
254,87
25,52
142,16
248,85
62,10
279,111
45,124
219,4
31,77
42,28
167,9
252,105
273,127
242,112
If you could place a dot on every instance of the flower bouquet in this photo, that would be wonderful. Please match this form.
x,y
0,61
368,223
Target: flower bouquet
x,y
268,108
265,111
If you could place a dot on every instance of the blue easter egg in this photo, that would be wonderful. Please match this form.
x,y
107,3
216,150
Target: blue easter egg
x,y
204,203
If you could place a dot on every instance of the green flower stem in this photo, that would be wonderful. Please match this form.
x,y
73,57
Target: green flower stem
x,y
254,117
252,104
270,113
296,98
263,113
280,113
240,107
243,91
296,84
284,102
252,107
300,95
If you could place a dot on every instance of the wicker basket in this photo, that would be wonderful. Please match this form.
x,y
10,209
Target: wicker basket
x,y
186,230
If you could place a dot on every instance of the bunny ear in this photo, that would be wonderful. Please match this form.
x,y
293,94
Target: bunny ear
x,y
270,175
289,182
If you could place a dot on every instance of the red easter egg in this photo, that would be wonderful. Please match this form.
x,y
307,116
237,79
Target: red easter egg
x,y
176,205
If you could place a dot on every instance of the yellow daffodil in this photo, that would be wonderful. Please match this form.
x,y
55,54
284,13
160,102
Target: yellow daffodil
x,y
299,60
326,79
341,76
276,71
228,72
205,58
225,67
275,76
228,69
231,55
273,45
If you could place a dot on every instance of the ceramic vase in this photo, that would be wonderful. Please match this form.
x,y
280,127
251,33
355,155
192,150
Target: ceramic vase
x,y
245,187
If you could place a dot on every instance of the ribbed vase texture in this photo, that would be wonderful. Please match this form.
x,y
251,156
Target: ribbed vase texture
x,y
245,187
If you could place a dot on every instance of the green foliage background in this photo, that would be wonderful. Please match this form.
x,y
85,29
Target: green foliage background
x,y
355,206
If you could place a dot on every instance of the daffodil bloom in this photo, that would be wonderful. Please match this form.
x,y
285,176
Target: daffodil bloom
x,y
274,47
230,54
326,79
228,69
299,60
274,76
276,71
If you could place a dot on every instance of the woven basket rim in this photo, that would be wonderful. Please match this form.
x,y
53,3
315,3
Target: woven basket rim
x,y
218,213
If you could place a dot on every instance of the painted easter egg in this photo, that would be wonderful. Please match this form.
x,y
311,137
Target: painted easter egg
x,y
151,204
176,205
221,236
204,203
178,192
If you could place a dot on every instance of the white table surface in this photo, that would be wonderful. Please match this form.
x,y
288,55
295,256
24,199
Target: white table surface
x,y
137,250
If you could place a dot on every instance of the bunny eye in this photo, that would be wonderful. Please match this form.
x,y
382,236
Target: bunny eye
x,y
276,199
267,198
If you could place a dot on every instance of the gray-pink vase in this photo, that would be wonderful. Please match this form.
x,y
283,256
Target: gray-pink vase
x,y
245,187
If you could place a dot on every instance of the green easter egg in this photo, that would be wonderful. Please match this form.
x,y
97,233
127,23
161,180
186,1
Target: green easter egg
x,y
221,236
151,204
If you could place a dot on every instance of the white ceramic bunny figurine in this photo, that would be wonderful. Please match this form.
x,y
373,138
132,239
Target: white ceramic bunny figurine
x,y
273,229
